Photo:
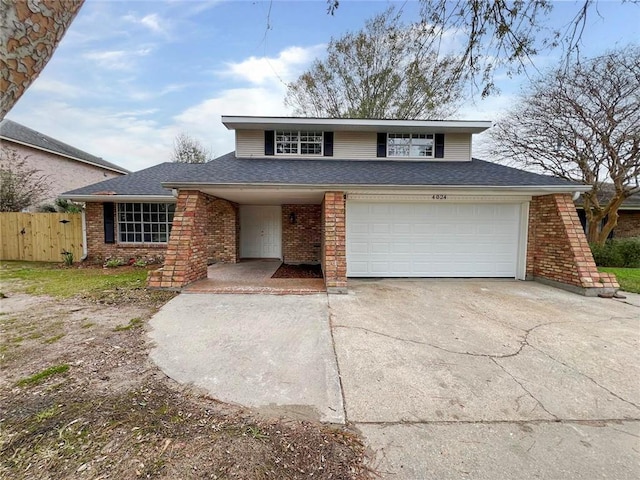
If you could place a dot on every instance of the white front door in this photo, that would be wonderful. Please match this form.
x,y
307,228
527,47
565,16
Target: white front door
x,y
260,231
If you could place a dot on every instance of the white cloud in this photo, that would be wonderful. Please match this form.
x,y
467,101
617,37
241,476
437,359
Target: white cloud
x,y
117,59
151,21
283,68
50,86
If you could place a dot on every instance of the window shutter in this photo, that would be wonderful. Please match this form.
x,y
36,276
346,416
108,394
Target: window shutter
x,y
269,139
439,141
109,220
328,144
382,145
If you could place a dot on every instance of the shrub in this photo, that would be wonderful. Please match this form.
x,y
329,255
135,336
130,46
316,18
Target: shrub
x,y
67,257
623,253
113,263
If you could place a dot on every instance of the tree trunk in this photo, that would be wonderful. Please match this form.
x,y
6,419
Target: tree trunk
x,y
611,212
30,31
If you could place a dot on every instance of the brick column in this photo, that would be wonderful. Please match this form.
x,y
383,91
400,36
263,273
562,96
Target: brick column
x,y
558,252
187,251
334,255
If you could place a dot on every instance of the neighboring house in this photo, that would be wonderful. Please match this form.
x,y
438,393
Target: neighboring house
x,y
364,198
628,214
65,167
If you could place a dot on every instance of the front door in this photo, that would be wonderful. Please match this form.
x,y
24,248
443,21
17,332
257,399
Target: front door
x,y
260,231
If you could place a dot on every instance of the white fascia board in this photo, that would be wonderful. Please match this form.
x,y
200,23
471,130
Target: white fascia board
x,y
36,147
529,190
356,124
120,198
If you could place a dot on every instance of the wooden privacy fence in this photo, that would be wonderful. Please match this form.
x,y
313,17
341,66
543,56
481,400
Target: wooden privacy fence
x,y
40,237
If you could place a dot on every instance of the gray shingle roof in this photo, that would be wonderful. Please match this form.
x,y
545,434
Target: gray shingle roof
x,y
142,182
231,170
605,194
11,130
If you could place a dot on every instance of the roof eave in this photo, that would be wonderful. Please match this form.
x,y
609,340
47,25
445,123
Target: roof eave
x,y
360,124
117,198
334,187
60,154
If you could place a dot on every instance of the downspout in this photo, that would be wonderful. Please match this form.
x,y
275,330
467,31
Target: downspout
x,y
85,252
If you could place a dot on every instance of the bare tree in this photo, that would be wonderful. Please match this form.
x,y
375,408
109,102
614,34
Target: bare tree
x,y
386,70
498,34
187,149
30,31
582,124
21,187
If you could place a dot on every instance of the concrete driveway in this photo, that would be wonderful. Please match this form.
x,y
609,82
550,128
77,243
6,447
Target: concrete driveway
x,y
444,379
490,379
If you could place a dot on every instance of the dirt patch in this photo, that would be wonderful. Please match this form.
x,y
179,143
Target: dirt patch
x,y
298,271
80,399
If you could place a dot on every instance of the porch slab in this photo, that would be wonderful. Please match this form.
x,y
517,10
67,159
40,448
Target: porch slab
x,y
253,276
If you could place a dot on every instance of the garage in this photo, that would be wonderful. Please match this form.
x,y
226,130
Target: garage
x,y
435,239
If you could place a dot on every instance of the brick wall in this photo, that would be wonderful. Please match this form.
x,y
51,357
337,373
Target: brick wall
x,y
557,248
188,249
223,231
334,258
628,224
301,240
98,251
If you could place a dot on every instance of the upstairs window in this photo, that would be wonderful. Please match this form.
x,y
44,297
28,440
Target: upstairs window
x,y
145,222
295,142
420,145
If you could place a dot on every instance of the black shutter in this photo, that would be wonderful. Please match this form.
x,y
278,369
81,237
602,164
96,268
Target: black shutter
x,y
109,220
328,144
269,139
382,144
439,141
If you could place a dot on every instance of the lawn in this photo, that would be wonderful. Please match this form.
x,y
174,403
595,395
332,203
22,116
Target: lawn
x,y
628,278
81,398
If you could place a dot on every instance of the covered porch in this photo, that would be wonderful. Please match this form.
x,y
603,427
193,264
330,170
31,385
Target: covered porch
x,y
218,234
253,276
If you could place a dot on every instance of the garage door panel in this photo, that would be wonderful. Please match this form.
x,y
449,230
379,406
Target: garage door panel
x,y
432,240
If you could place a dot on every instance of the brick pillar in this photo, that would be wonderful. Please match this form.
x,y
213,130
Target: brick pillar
x,y
187,251
334,255
558,252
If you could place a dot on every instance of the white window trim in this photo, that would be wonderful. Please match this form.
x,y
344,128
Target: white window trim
x,y
299,149
430,136
120,232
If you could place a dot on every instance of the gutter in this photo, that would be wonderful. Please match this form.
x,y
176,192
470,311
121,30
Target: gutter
x,y
334,187
60,154
120,198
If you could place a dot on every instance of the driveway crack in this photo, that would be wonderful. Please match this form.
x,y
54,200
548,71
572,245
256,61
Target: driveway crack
x,y
335,356
523,342
587,377
525,389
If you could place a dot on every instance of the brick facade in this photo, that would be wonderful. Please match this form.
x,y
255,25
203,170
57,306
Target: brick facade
x,y
301,240
187,253
628,224
557,250
98,251
333,250
223,231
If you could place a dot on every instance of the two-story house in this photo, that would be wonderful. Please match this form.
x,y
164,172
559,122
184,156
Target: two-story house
x,y
362,197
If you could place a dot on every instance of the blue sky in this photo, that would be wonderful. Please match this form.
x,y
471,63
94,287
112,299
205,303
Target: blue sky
x,y
130,75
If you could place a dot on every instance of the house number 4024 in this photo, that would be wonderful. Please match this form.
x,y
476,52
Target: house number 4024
x,y
439,196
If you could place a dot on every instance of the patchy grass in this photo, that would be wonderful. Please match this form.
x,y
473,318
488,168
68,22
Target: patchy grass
x,y
628,278
54,338
43,375
114,414
108,286
133,323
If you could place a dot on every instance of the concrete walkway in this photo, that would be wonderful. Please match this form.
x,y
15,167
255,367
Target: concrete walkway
x,y
444,379
271,352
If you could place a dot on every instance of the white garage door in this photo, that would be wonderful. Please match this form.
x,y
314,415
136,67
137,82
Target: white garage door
x,y
432,239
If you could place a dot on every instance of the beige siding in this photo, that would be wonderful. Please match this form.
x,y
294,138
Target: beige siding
x,y
353,145
457,147
250,143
